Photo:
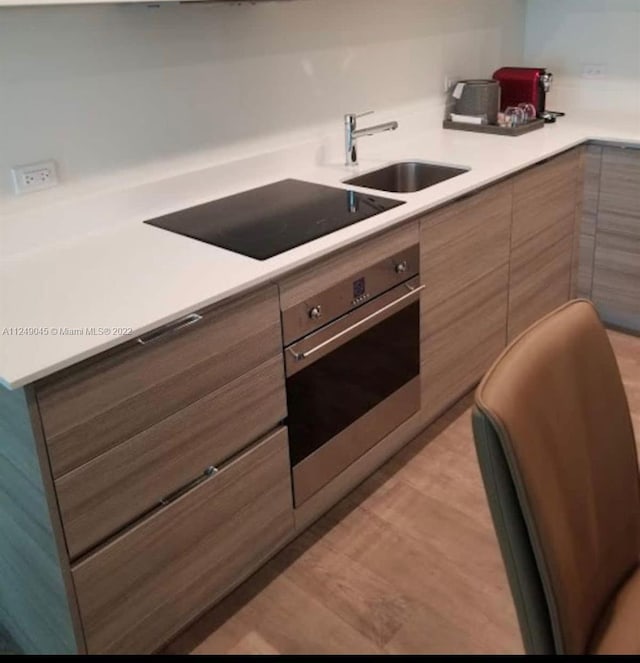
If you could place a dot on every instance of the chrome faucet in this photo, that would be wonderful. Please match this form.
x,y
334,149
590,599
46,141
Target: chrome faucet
x,y
351,133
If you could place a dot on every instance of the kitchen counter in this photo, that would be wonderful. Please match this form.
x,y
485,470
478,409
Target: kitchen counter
x,y
97,276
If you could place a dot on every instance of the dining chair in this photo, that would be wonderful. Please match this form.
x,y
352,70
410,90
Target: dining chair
x,y
557,454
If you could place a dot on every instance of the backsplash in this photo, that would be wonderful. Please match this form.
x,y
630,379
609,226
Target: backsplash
x,y
117,89
572,36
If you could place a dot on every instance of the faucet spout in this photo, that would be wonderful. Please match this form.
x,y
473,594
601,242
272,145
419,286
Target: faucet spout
x,y
351,133
376,129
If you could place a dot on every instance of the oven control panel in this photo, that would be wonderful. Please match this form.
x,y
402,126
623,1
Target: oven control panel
x,y
360,294
344,296
315,313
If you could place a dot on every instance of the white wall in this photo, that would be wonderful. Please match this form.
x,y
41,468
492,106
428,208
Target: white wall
x,y
106,88
565,35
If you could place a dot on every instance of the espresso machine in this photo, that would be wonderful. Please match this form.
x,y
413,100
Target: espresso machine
x,y
526,84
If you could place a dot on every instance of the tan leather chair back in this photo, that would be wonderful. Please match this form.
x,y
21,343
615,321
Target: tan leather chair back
x,y
558,406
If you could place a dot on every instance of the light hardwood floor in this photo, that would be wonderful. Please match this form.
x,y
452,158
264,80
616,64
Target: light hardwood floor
x,y
407,563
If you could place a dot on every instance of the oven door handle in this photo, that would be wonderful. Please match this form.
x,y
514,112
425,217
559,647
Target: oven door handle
x,y
299,356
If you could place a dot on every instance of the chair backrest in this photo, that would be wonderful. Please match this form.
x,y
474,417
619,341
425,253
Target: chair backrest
x,y
557,453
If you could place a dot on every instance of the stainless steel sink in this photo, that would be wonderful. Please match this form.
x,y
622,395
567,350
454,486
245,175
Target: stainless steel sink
x,y
406,177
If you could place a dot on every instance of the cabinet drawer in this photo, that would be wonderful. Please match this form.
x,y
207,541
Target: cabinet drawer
x,y
102,402
461,336
102,496
141,588
540,276
464,241
544,195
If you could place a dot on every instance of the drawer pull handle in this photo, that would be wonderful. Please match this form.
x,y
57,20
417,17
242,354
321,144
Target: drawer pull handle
x,y
171,328
172,497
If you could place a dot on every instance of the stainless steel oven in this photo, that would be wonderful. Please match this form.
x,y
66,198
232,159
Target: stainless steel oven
x,y
352,357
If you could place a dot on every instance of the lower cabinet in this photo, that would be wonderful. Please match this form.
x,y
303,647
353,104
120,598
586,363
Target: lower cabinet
x,y
546,200
616,278
540,276
465,267
493,264
609,271
170,469
138,590
616,264
461,336
120,486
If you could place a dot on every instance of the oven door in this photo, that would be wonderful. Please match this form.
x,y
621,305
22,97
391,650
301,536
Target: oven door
x,y
350,384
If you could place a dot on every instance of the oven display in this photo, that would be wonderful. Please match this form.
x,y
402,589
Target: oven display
x,y
359,288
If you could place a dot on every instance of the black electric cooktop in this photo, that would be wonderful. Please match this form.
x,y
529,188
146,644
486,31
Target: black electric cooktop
x,y
263,222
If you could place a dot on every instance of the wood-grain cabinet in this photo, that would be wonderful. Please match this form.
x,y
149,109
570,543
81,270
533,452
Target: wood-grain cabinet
x,y
610,234
465,266
169,473
140,588
545,205
493,263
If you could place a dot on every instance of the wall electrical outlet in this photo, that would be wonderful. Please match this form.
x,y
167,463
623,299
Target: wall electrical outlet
x,y
34,177
594,71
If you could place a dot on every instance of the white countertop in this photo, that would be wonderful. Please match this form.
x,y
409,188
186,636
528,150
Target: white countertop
x,y
121,273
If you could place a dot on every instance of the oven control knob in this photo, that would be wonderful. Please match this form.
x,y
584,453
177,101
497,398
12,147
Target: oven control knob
x,y
315,312
402,267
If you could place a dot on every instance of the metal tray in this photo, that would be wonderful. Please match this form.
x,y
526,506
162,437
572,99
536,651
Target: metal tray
x,y
494,128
